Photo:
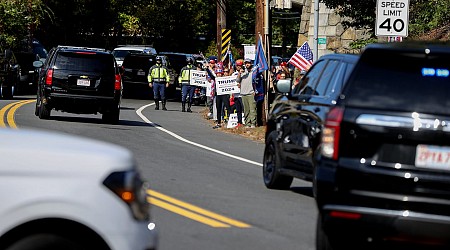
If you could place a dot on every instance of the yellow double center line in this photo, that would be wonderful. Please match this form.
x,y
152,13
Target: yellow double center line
x,y
9,110
158,199
192,212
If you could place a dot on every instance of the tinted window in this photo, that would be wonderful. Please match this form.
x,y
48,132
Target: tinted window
x,y
401,81
120,54
103,63
327,76
139,62
311,78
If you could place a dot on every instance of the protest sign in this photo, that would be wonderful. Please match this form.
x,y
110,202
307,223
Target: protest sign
x,y
233,121
198,78
227,85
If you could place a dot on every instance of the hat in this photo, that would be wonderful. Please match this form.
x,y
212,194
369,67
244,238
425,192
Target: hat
x,y
283,64
239,62
248,60
219,70
302,72
212,61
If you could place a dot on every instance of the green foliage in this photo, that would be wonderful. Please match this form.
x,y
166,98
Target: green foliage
x,y
424,15
18,18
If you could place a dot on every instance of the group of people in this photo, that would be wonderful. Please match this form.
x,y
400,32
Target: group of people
x,y
243,102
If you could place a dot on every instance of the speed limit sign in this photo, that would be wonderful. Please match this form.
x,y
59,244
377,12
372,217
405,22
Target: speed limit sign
x,y
392,18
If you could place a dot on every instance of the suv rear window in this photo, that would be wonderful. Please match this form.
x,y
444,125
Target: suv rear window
x,y
403,81
102,63
138,62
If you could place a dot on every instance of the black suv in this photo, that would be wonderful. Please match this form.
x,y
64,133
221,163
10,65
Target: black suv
x,y
296,120
9,73
384,169
79,80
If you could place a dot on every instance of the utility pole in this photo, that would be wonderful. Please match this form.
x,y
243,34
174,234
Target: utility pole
x,y
221,24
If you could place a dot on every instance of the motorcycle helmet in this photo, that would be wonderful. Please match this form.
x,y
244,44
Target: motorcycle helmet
x,y
190,60
158,58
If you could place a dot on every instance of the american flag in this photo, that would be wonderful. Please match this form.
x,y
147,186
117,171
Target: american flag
x,y
303,58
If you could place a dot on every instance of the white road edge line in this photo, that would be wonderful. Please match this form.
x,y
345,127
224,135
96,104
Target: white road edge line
x,y
139,113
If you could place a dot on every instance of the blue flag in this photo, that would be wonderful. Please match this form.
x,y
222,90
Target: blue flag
x,y
260,61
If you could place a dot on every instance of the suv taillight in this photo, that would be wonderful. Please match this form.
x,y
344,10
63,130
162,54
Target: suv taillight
x,y
331,133
49,77
117,84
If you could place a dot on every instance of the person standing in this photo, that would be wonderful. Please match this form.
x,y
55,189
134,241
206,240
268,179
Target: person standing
x,y
159,79
245,82
237,96
221,100
186,88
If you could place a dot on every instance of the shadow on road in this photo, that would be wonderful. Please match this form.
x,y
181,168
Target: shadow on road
x,y
308,191
93,120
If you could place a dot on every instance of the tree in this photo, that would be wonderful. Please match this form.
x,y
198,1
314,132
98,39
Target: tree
x,y
18,18
425,15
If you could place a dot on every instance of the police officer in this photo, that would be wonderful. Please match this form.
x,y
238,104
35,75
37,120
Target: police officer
x,y
159,79
186,88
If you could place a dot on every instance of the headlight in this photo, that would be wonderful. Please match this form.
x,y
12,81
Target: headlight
x,y
132,190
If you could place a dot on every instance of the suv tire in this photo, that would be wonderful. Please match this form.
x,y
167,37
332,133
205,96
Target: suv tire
x,y
44,111
7,91
44,242
272,178
112,116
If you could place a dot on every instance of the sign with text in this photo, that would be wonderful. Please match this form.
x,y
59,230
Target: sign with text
x,y
392,18
233,120
249,52
198,78
227,85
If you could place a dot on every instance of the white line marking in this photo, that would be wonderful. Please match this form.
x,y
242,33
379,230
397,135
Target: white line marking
x,y
139,113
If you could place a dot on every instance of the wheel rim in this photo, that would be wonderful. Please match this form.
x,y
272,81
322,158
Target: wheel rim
x,y
269,163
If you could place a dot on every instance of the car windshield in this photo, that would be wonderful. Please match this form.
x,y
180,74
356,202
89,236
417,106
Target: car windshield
x,y
120,54
136,61
84,62
422,84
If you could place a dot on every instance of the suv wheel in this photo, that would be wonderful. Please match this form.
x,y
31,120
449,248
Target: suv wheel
x,y
7,91
112,116
322,242
44,242
44,111
273,179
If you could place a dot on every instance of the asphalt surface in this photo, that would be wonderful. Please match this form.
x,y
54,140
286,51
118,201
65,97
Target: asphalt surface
x,y
184,158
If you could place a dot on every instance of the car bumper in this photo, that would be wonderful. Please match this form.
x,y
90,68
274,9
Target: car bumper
x,y
83,103
135,236
381,204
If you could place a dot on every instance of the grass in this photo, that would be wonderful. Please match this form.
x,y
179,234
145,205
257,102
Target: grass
x,y
256,134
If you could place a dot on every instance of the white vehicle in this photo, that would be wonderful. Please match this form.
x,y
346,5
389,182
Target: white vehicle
x,y
64,192
120,52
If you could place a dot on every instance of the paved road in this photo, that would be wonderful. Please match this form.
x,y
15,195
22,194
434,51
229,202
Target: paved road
x,y
206,186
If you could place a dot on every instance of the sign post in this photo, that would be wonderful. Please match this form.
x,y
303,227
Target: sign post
x,y
392,18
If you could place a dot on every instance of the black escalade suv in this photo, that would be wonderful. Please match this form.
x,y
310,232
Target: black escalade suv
x,y
79,80
296,119
384,169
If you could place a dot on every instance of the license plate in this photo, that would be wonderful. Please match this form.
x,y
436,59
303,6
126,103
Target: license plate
x,y
433,157
141,73
83,82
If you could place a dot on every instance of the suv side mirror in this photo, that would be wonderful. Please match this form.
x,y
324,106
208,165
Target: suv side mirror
x,y
283,86
38,64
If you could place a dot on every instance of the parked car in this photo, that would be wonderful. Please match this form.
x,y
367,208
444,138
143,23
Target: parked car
x,y
120,52
9,73
383,173
178,61
296,120
135,72
65,192
79,80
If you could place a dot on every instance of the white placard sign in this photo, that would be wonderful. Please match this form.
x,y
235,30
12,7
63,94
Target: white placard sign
x,y
198,78
227,85
392,18
249,52
233,121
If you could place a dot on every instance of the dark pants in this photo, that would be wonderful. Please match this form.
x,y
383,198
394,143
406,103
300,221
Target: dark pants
x,y
159,91
222,100
239,108
185,90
